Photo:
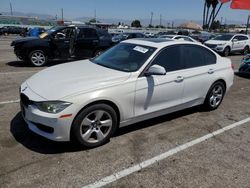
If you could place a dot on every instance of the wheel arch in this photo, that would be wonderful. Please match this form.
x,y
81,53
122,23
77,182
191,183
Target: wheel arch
x,y
107,102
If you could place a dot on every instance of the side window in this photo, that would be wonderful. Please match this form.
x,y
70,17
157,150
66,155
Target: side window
x,y
196,56
87,33
64,33
237,37
170,59
243,38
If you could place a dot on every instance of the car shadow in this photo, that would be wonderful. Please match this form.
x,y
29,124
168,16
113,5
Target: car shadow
x,y
36,143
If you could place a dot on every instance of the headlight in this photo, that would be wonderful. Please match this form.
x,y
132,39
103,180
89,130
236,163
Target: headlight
x,y
52,106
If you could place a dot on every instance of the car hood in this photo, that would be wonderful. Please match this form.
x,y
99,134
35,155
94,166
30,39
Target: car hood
x,y
216,42
73,78
24,40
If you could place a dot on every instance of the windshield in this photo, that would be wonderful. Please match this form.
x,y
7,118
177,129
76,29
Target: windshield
x,y
224,37
125,57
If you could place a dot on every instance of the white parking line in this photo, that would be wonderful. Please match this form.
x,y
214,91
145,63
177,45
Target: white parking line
x,y
116,176
18,72
10,102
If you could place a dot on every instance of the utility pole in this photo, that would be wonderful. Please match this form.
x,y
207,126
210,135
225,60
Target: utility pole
x,y
62,13
11,12
248,19
95,16
160,19
151,19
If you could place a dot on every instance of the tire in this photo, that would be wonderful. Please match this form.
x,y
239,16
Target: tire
x,y
226,51
246,50
214,96
38,58
88,127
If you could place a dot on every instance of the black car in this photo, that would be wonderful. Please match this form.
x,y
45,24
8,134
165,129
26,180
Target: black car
x,y
244,69
62,42
124,36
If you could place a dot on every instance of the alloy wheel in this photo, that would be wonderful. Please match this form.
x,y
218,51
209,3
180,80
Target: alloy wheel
x,y
216,96
38,58
96,126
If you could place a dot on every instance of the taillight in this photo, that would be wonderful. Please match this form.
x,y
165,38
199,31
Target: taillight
x,y
232,66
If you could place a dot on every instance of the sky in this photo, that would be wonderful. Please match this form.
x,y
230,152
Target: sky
x,y
122,9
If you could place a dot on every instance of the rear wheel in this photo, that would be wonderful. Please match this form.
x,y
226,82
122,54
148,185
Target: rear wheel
x,y
95,125
37,58
215,96
246,50
226,51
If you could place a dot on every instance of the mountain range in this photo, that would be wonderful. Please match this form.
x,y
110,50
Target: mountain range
x,y
144,21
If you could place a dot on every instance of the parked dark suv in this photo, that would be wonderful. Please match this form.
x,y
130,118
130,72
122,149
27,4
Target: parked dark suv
x,y
62,42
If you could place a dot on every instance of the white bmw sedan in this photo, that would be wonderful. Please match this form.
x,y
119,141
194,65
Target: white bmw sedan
x,y
133,81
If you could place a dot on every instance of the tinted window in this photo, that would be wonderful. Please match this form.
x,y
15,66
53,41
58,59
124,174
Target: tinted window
x,y
87,33
237,37
196,56
223,37
170,59
243,38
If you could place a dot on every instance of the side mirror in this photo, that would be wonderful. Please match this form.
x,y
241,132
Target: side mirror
x,y
155,70
235,40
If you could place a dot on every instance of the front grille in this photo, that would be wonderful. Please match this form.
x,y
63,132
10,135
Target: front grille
x,y
211,45
25,100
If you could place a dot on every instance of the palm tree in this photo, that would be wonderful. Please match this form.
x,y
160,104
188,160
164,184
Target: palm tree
x,y
207,6
214,4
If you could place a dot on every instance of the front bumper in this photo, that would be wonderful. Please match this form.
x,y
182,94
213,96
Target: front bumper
x,y
50,126
216,48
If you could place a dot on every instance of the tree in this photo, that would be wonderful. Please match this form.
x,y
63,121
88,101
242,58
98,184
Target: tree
x,y
93,20
136,23
150,26
216,25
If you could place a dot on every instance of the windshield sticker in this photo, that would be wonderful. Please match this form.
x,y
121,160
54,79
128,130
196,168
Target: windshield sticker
x,y
140,49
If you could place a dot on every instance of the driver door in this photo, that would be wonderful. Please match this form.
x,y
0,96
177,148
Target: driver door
x,y
63,42
159,92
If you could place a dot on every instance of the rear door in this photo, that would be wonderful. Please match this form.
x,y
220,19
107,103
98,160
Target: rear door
x,y
243,41
198,75
86,43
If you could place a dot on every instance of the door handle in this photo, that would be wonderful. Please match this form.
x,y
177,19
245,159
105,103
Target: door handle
x,y
179,79
210,71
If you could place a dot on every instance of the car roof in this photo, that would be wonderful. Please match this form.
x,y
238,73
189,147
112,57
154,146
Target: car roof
x,y
156,42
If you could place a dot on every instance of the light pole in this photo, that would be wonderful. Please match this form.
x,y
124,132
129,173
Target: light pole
x,y
248,19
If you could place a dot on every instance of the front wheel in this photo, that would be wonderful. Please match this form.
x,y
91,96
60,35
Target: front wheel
x,y
215,96
95,125
226,52
37,58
